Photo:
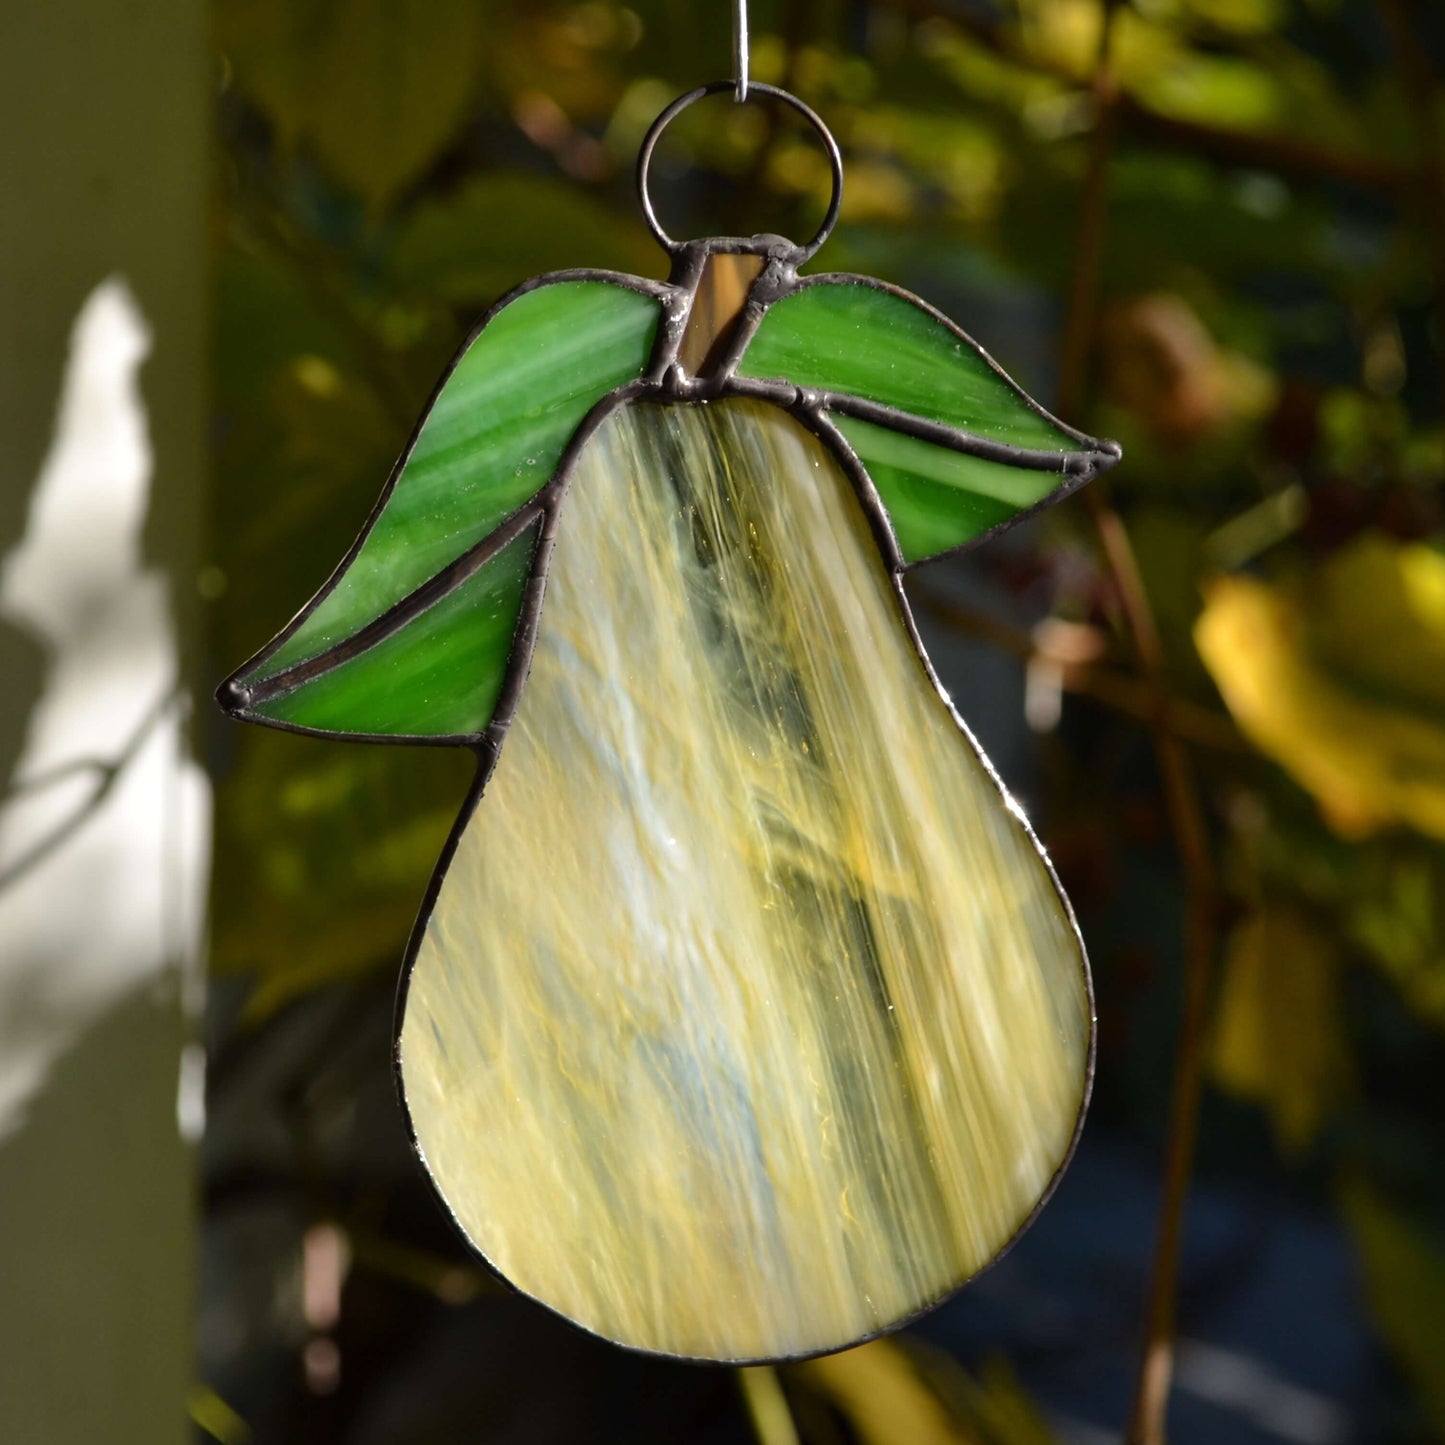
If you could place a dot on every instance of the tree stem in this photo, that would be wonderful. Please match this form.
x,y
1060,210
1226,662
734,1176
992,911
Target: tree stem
x,y
1181,792
1284,154
1112,688
1420,92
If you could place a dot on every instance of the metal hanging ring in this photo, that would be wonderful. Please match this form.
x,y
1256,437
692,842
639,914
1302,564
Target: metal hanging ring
x,y
756,87
740,49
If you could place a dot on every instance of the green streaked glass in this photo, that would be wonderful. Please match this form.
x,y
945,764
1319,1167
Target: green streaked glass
x,y
856,339
439,676
492,439
937,498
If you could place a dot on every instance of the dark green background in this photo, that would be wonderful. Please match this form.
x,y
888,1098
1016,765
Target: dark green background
x,y
1228,254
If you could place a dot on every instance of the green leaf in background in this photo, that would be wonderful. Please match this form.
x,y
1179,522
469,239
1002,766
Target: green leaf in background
x,y
490,441
1278,1030
1405,1282
859,341
375,87
454,247
1397,917
297,904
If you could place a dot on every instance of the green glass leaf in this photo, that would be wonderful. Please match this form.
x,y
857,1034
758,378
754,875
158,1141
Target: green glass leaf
x,y
492,439
937,498
859,339
884,363
439,676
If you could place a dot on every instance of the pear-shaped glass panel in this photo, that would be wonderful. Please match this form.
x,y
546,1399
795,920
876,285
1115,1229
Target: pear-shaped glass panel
x,y
744,1018
748,1019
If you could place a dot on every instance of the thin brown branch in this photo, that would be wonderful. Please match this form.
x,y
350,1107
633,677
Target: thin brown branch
x,y
423,1269
1420,91
1081,321
1284,155
1118,691
1181,792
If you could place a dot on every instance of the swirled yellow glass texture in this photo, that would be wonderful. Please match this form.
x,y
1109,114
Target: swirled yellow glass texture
x,y
749,1020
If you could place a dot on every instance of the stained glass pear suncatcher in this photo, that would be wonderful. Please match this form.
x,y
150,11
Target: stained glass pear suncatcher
x,y
744,1018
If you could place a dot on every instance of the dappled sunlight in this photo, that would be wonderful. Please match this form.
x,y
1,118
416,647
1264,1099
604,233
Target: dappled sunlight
x,y
104,833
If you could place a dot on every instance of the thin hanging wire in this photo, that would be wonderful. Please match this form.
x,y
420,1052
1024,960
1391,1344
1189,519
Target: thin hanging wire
x,y
740,49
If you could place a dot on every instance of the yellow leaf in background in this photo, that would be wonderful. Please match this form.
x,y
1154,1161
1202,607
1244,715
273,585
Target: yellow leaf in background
x,y
767,1405
923,1396
1371,761
885,1398
1063,32
1405,1282
878,192
215,1417
1376,613
1277,1035
1002,1410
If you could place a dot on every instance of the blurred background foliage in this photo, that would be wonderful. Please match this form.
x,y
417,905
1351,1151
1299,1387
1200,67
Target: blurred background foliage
x,y
1214,229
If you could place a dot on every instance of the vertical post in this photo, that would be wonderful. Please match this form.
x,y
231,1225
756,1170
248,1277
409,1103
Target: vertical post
x,y
103,828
